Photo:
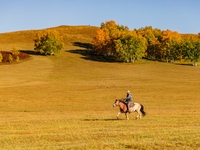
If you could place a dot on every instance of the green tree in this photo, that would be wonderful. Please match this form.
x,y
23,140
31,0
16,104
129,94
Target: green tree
x,y
130,47
191,47
48,42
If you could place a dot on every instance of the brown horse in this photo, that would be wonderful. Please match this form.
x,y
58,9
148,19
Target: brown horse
x,y
134,107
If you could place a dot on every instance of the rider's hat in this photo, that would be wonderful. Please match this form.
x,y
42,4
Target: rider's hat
x,y
128,91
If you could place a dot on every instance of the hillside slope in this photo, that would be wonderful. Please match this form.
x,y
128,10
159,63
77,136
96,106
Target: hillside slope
x,y
65,101
24,39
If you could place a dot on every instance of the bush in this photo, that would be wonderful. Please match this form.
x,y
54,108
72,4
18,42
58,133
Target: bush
x,y
9,57
15,51
1,57
5,56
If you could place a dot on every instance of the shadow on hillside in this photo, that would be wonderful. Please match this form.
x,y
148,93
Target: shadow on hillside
x,y
30,52
182,64
83,45
90,55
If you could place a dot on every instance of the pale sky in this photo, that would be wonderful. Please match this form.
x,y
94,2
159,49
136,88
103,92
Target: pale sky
x,y
176,15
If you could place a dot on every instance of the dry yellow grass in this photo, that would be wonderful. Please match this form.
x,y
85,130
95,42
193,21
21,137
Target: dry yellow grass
x,y
65,102
24,39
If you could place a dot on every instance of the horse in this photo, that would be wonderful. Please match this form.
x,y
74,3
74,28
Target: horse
x,y
134,107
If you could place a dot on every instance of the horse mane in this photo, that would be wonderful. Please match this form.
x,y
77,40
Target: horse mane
x,y
121,100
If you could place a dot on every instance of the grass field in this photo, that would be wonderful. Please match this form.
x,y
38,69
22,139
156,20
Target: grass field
x,y
65,103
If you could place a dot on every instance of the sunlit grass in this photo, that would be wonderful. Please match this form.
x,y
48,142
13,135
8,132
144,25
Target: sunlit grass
x,y
65,102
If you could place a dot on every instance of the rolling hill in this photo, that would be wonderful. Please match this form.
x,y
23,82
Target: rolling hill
x,y
65,101
70,34
24,39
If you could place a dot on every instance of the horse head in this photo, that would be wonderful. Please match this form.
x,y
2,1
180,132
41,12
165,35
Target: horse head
x,y
116,103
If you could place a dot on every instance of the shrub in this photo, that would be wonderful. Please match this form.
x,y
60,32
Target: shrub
x,y
8,57
15,51
1,57
23,56
5,56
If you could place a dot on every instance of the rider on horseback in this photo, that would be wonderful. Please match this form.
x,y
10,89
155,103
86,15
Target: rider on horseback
x,y
128,100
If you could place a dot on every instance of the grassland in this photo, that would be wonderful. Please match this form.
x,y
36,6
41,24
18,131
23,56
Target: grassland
x,y
65,101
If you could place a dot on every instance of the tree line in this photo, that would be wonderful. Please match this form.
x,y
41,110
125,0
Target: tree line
x,y
121,44
117,41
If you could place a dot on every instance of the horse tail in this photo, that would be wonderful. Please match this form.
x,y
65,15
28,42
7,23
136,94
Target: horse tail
x,y
142,110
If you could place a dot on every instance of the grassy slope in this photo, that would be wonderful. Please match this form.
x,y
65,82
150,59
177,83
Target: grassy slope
x,y
24,39
65,102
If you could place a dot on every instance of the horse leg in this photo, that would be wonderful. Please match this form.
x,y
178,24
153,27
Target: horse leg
x,y
138,114
118,114
141,114
126,114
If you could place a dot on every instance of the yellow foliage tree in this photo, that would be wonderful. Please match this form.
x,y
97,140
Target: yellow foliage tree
x,y
171,45
48,42
152,36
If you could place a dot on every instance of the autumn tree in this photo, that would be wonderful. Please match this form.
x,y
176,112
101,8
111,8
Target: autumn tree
x,y
103,42
191,47
171,45
119,42
153,44
48,42
130,46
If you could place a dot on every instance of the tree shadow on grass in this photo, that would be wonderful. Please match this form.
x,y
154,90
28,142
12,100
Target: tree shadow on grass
x,y
183,64
30,52
83,45
88,54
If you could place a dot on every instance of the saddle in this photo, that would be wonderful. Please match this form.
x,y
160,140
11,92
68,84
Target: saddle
x,y
131,104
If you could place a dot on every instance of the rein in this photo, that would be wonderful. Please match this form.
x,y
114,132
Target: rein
x,y
121,101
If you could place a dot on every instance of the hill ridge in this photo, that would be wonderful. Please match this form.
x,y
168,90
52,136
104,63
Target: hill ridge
x,y
24,39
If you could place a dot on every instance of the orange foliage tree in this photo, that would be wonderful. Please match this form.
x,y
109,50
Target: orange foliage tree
x,y
117,41
152,36
103,42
